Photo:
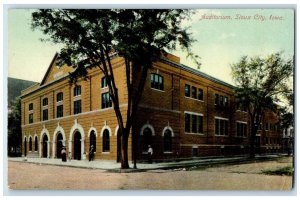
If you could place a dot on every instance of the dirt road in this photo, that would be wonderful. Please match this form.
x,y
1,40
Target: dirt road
x,y
232,177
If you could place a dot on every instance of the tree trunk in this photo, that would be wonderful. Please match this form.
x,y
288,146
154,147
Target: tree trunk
x,y
254,128
124,149
252,140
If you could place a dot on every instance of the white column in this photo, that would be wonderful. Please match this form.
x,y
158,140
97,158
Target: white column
x,y
82,147
70,147
40,152
53,150
48,149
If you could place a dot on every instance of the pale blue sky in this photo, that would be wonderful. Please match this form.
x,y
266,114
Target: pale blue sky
x,y
219,42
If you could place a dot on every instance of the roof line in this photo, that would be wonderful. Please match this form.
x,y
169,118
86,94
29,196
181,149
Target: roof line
x,y
48,70
196,72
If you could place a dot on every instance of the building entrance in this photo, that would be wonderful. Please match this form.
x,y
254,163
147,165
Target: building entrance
x,y
45,146
77,146
59,145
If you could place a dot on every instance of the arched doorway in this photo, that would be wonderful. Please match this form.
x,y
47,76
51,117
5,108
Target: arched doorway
x,y
93,140
167,141
77,146
146,139
59,145
25,147
45,146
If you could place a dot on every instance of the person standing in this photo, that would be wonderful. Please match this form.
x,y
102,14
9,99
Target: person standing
x,y
150,153
63,154
91,153
69,156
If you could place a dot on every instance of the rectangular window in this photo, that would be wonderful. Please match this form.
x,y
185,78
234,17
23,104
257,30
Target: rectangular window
x,y
77,90
195,121
157,81
59,97
216,99
45,102
221,100
194,92
152,80
59,111
200,94
225,101
77,107
187,122
241,129
106,100
194,124
45,114
103,82
187,90
217,129
30,118
30,106
221,103
200,124
221,127
161,82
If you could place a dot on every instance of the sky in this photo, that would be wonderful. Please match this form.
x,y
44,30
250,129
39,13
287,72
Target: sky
x,y
223,37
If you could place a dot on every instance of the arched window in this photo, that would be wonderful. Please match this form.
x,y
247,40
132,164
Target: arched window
x,y
30,144
36,143
93,140
147,138
105,141
167,141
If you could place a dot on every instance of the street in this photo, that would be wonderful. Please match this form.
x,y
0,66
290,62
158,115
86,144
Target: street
x,y
248,176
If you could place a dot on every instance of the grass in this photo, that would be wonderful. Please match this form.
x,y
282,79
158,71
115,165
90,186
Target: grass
x,y
288,171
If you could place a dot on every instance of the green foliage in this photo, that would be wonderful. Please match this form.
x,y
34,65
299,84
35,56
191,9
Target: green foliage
x,y
262,83
261,80
92,37
139,35
288,171
14,127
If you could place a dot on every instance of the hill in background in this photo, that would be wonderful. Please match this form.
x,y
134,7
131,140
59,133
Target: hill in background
x,y
15,86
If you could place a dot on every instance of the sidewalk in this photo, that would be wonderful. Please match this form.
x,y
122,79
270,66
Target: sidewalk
x,y
110,165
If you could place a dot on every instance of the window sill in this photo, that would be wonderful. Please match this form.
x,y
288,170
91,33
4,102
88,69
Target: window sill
x,y
221,135
105,152
188,133
191,98
168,152
158,90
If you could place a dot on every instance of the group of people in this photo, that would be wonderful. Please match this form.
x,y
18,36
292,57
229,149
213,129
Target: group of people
x,y
92,153
64,154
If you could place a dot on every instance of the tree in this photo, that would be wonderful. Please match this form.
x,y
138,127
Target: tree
x,y
92,36
14,127
262,83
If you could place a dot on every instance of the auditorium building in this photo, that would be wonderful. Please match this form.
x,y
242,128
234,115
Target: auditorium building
x,y
183,114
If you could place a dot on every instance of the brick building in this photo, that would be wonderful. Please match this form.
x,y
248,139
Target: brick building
x,y
183,113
